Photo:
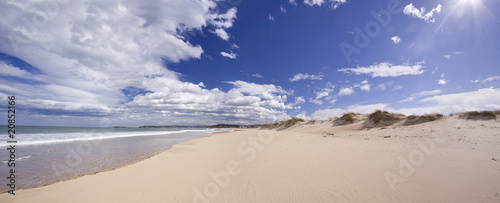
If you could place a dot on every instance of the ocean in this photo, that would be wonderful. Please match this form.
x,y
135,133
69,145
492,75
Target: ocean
x,y
45,155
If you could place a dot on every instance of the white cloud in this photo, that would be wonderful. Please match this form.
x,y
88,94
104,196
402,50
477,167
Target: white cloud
x,y
228,55
303,116
282,9
346,91
482,99
316,101
442,81
364,82
257,75
474,81
492,78
234,46
88,52
421,94
420,13
201,84
299,100
396,39
397,87
301,76
365,88
333,3
271,18
293,2
221,33
386,69
448,56
324,114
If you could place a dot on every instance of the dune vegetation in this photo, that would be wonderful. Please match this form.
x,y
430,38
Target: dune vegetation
x,y
483,115
282,124
414,119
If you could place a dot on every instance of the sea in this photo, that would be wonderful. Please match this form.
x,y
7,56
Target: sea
x,y
45,155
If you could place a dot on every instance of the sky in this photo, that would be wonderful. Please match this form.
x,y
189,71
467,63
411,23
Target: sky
x,y
203,62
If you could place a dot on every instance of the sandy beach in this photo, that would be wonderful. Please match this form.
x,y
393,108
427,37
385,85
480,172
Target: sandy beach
x,y
449,160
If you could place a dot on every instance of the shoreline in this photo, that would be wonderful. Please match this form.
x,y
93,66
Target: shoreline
x,y
115,168
307,162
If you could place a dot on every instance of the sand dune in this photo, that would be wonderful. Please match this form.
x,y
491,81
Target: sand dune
x,y
448,160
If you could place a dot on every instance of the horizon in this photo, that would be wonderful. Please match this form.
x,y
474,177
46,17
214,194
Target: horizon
x,y
115,63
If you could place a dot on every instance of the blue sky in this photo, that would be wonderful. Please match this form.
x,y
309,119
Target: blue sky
x,y
189,62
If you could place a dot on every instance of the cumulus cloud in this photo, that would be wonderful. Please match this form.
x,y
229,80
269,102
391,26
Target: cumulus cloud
x,y
365,88
301,76
396,39
386,69
346,91
299,100
228,55
410,9
442,81
86,54
221,33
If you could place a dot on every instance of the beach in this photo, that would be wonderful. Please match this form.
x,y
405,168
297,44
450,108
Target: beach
x,y
448,160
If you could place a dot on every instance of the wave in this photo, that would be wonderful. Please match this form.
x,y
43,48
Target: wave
x,y
51,138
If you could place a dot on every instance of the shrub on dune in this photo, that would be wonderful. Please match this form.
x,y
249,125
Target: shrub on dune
x,y
414,120
483,115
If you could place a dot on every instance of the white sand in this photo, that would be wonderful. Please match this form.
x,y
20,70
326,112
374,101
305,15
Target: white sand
x,y
305,164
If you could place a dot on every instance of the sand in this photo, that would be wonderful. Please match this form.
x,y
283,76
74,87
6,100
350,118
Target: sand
x,y
454,162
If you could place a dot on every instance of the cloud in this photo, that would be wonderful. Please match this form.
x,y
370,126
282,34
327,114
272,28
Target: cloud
x,y
346,91
301,76
257,75
324,114
299,100
316,101
89,53
396,39
271,18
293,2
420,13
228,55
234,46
442,81
221,33
397,87
479,100
282,9
482,99
333,3
386,69
303,116
365,88
448,56
492,78
364,82
421,94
